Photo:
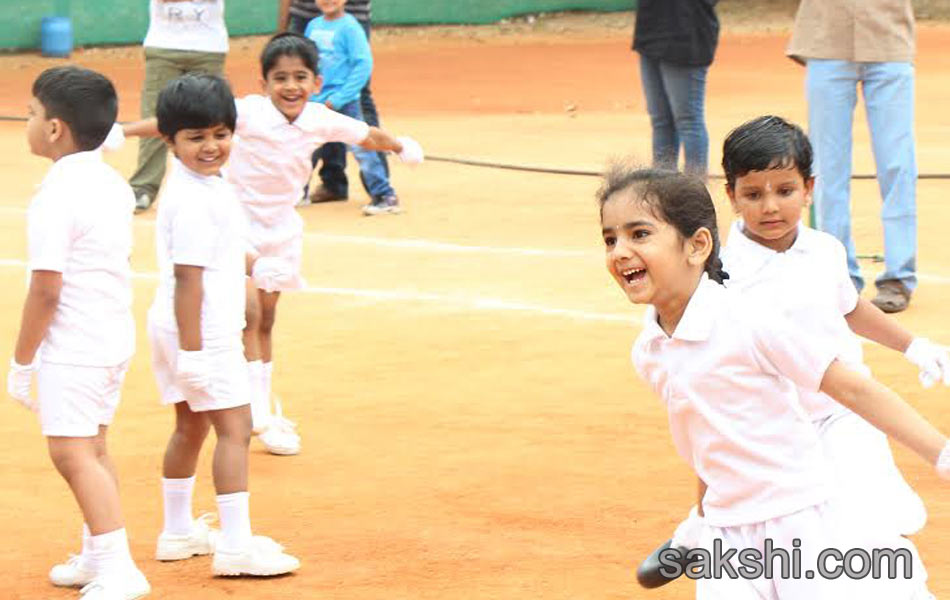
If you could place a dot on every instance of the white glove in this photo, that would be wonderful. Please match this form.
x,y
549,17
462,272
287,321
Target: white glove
x,y
943,462
688,532
932,360
412,153
19,384
193,370
273,274
115,140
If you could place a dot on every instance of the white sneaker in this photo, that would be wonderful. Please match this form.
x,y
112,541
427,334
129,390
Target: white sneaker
x,y
262,558
197,543
280,436
128,585
72,573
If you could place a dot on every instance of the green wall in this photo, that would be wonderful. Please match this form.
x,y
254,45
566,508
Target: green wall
x,y
125,21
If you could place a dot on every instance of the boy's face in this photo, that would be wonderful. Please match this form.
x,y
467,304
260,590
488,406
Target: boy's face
x,y
289,84
40,132
331,8
770,203
205,150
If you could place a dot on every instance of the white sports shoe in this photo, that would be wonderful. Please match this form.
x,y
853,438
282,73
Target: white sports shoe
x,y
197,543
72,573
128,585
262,558
280,437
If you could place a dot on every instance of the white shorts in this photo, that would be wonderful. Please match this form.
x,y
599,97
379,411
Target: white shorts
x,y
75,400
281,240
228,387
866,479
816,528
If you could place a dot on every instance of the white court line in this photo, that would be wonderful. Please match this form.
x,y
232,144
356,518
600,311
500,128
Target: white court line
x,y
471,303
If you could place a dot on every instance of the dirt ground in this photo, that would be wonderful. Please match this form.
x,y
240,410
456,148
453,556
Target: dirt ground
x,y
471,425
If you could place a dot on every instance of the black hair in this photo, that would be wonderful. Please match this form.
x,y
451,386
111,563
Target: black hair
x,y
680,200
195,102
289,44
82,99
765,143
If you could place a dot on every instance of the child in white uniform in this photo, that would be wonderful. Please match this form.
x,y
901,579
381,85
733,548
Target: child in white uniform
x,y
77,331
728,372
270,164
195,326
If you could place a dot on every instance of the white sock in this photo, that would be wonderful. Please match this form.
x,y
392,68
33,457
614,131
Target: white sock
x,y
86,551
235,513
260,404
109,552
268,377
177,495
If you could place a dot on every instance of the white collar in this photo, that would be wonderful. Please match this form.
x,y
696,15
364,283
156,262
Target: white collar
x,y
698,319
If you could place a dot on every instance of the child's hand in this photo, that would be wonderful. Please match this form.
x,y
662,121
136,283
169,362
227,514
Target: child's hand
x,y
932,360
411,151
115,140
687,533
20,383
192,369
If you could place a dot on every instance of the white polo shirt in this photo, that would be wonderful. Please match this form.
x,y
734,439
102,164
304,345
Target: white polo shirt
x,y
194,25
809,283
270,163
728,377
80,224
200,223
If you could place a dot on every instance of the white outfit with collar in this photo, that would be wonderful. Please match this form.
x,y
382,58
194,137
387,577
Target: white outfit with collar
x,y
270,165
809,283
728,376
79,224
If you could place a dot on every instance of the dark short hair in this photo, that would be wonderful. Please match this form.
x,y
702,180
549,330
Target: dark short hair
x,y
678,199
195,102
765,143
84,100
289,44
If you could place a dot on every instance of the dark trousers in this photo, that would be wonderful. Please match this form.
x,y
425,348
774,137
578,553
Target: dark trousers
x,y
333,155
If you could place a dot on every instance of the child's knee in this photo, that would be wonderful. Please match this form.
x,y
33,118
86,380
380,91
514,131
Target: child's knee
x,y
252,312
268,316
192,431
68,456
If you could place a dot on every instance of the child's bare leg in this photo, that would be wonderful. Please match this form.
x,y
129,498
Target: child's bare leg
x,y
268,301
93,485
233,429
102,454
252,316
184,446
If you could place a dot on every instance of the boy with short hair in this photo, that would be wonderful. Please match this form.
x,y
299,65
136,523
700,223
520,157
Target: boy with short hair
x,y
346,63
77,333
195,326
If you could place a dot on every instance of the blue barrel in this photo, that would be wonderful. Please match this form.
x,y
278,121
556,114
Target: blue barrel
x,y
56,36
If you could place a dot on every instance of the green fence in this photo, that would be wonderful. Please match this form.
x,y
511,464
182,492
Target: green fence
x,y
125,21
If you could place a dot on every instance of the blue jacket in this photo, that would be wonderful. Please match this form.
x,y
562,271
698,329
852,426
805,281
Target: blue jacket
x,y
345,58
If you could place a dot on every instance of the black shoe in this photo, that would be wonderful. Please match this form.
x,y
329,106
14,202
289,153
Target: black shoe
x,y
656,572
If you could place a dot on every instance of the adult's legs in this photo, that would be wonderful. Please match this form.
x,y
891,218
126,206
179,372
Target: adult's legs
x,y
889,98
686,93
666,142
831,89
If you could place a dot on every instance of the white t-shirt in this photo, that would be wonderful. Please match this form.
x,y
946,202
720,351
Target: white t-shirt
x,y
270,162
728,378
195,25
80,225
200,223
809,283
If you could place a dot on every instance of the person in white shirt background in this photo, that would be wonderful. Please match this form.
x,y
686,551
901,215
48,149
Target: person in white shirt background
x,y
77,331
269,166
184,36
728,372
195,326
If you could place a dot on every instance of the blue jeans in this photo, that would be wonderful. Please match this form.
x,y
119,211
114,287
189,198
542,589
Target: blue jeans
x,y
676,102
373,170
888,88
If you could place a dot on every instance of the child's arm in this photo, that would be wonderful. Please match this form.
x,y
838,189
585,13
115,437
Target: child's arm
x,y
884,409
408,149
144,128
872,323
191,369
42,299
